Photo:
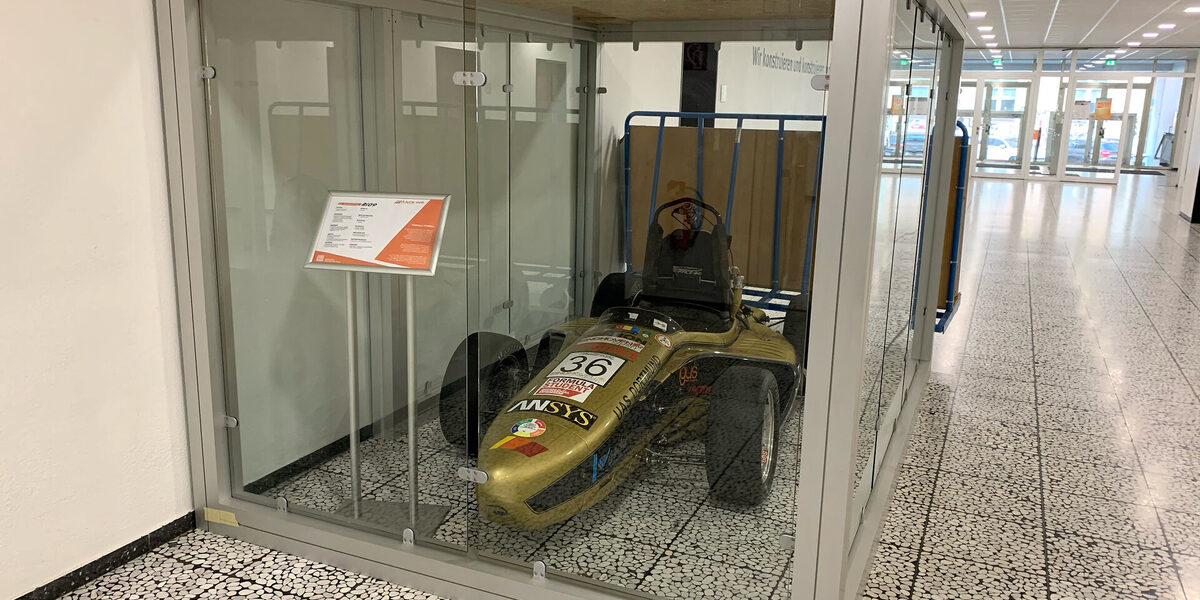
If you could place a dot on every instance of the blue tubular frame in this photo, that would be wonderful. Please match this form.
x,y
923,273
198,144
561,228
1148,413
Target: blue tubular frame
x,y
737,144
944,316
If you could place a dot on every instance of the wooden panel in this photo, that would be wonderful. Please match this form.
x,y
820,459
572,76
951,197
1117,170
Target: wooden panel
x,y
948,242
753,216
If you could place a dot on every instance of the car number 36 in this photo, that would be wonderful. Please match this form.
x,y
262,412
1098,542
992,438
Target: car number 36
x,y
590,366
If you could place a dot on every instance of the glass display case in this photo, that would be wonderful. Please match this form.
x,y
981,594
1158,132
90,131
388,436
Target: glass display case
x,y
605,386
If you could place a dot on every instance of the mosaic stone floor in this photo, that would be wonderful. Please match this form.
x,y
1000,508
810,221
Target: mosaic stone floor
x,y
1057,452
659,532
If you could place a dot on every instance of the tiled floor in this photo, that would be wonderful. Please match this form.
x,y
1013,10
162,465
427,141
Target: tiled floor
x,y
202,565
660,531
1057,453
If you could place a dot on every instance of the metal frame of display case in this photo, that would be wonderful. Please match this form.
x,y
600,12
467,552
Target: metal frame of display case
x,y
824,559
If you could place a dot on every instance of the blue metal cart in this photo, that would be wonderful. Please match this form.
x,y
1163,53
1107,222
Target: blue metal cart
x,y
775,298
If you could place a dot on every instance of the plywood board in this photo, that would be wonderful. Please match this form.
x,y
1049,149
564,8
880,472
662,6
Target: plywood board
x,y
752,221
948,242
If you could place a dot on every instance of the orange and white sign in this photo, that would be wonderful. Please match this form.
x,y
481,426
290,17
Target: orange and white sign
x,y
387,233
1103,109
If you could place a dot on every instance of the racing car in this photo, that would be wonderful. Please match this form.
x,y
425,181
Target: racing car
x,y
667,355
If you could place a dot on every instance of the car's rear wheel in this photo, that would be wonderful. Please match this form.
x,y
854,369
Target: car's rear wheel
x,y
503,371
616,289
742,434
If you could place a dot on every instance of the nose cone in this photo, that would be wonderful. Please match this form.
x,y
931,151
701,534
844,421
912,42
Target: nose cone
x,y
522,453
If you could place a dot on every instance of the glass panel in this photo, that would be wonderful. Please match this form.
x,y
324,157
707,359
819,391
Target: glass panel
x,y
1162,116
1047,126
619,447
1005,106
286,127
878,361
1095,131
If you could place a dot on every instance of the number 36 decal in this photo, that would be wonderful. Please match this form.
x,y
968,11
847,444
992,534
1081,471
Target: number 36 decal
x,y
590,366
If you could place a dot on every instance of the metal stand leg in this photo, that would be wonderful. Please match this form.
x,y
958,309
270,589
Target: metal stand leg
x,y
410,384
352,347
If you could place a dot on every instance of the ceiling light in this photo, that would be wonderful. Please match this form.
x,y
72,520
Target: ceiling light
x,y
985,27
1150,35
1110,56
979,14
991,44
988,36
1120,51
994,51
1191,10
1097,62
1135,44
1166,26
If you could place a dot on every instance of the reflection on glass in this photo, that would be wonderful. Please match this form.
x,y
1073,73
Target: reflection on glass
x,y
1047,126
1002,123
286,129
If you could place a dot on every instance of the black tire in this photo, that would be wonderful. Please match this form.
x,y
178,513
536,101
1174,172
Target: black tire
x,y
616,289
795,325
503,371
740,459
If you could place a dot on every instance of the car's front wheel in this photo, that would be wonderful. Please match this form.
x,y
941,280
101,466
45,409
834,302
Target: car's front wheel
x,y
741,435
502,370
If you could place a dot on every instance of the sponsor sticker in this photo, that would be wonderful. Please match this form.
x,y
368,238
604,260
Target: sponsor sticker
x,y
615,341
660,324
557,408
633,316
621,351
566,387
528,428
525,446
590,366
688,374
662,339
699,390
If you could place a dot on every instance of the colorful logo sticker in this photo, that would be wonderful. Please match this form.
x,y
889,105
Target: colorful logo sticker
x,y
566,387
525,446
660,325
614,340
662,339
528,428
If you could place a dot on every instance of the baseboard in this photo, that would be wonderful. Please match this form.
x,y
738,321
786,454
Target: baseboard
x,y
114,559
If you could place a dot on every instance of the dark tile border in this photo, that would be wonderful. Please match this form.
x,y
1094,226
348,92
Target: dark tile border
x,y
114,559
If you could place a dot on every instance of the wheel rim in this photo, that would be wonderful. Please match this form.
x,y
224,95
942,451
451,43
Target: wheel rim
x,y
768,438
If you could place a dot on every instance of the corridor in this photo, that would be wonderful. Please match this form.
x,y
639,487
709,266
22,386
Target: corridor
x,y
1057,452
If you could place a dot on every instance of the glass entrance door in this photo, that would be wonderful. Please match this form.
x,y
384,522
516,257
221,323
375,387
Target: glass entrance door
x,y
1097,126
1005,104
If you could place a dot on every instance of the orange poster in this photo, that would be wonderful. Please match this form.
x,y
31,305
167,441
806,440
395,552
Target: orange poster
x,y
1103,109
399,233
897,106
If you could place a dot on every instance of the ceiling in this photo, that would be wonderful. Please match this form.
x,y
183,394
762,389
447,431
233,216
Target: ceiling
x,y
1101,26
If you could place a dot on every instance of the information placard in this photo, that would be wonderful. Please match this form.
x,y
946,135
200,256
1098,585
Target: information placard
x,y
381,233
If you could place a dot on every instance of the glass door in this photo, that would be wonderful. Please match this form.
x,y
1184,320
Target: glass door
x,y
1002,121
1097,126
1047,126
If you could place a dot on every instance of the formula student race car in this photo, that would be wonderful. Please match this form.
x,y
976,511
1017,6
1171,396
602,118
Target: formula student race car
x,y
666,356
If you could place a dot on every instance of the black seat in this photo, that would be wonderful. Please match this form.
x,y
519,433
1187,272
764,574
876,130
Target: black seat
x,y
686,274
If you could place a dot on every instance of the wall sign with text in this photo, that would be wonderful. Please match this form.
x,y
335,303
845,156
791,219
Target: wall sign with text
x,y
382,233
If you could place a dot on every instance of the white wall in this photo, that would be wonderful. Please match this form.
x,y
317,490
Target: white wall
x,y
92,441
771,78
648,79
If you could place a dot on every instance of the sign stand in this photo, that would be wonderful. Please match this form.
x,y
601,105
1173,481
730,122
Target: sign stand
x,y
398,234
